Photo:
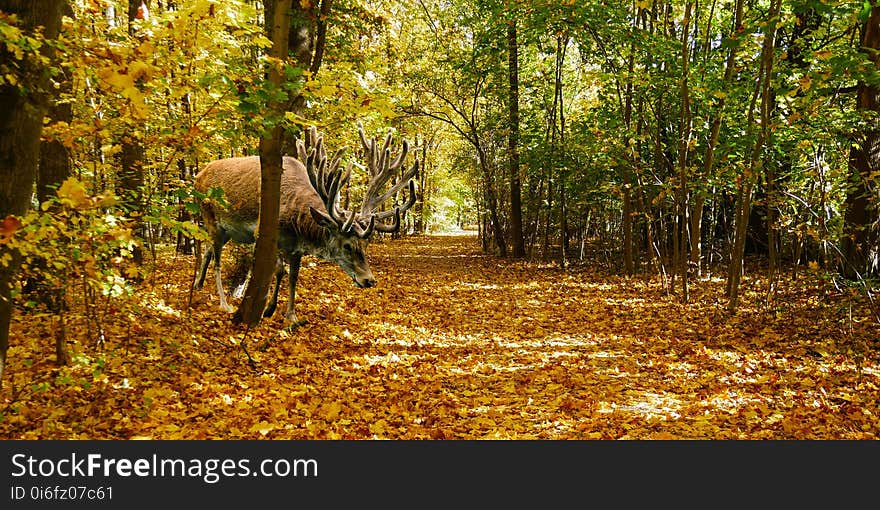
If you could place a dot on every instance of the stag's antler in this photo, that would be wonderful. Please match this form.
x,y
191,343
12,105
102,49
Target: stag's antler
x,y
328,180
381,168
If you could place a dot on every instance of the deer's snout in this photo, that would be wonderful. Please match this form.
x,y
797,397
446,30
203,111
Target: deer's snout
x,y
364,282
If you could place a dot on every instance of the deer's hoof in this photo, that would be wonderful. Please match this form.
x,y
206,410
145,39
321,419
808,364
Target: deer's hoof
x,y
296,324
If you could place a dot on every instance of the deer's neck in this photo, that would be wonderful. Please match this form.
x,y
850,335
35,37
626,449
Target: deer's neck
x,y
305,237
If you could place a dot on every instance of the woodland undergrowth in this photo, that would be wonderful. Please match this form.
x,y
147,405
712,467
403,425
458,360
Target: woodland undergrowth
x,y
454,344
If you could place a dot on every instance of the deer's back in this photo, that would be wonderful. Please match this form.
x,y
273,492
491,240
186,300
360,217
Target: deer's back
x,y
240,180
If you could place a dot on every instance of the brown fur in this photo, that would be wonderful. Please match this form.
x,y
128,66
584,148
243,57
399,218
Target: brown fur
x,y
240,180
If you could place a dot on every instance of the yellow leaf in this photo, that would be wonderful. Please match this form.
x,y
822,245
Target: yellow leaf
x,y
331,410
73,193
263,427
146,48
134,94
138,70
117,80
805,83
378,427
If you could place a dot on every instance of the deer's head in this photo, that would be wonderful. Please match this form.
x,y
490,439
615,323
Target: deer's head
x,y
348,232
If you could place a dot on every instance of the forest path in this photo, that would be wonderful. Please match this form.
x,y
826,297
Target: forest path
x,y
456,344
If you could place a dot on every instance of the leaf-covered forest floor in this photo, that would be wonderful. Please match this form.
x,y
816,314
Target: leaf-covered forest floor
x,y
454,344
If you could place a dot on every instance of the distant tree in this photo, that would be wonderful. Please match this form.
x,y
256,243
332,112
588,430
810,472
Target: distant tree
x,y
517,242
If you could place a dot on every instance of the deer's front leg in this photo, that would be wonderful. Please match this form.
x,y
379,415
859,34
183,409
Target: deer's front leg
x,y
273,302
203,270
294,260
219,241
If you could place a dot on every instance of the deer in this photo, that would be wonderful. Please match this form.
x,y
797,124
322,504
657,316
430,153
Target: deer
x,y
312,222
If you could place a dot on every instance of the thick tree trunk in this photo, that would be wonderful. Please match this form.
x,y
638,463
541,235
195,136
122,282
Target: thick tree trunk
x,y
250,312
132,157
860,242
54,157
21,122
130,184
516,231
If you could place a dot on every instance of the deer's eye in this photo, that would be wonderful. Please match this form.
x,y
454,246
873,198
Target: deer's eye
x,y
347,248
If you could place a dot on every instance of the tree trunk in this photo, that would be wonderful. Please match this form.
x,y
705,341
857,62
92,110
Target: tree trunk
x,y
185,244
516,231
131,159
421,212
53,169
680,232
250,312
696,218
21,122
561,46
714,132
306,41
492,204
744,195
54,157
626,192
860,241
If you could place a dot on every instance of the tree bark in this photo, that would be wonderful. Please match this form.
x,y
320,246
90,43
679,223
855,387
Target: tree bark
x,y
561,46
21,123
54,168
860,241
54,165
131,158
250,312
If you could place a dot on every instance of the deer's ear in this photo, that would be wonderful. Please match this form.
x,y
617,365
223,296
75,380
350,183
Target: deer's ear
x,y
322,218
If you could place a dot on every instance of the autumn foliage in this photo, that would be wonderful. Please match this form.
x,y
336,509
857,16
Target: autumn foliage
x,y
455,344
